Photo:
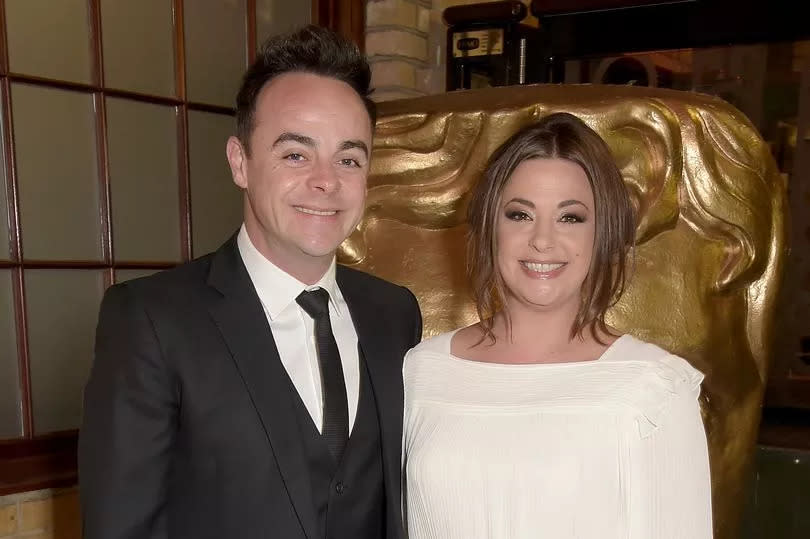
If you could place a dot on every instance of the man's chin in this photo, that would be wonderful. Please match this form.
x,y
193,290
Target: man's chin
x,y
320,246
320,252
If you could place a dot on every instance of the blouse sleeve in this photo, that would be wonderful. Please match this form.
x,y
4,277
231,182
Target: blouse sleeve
x,y
675,463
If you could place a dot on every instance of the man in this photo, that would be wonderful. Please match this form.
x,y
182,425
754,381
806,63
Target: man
x,y
256,392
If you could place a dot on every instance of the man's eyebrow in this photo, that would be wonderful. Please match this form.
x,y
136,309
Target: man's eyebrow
x,y
349,144
309,141
294,137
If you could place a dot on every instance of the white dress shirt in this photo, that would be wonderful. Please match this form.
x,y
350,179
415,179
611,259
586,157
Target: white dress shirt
x,y
294,330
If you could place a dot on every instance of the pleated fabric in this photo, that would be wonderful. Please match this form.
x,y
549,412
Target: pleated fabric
x,y
611,449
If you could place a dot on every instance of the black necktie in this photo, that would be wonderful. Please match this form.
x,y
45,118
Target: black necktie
x,y
335,404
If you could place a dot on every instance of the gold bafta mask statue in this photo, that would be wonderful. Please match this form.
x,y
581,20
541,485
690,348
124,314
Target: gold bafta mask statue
x,y
709,247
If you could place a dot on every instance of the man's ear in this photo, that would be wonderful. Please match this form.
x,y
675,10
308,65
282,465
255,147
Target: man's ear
x,y
237,159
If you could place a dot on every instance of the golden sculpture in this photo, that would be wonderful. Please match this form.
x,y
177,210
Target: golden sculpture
x,y
710,242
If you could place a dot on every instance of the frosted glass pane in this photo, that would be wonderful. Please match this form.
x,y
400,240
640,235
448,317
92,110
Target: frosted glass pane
x,y
138,46
10,409
144,185
279,16
49,39
216,45
5,247
57,171
122,275
216,202
62,315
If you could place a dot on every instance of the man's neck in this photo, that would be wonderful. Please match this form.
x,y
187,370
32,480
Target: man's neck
x,y
307,269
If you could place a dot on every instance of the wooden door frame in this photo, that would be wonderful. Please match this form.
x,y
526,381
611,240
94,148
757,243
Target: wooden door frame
x,y
345,16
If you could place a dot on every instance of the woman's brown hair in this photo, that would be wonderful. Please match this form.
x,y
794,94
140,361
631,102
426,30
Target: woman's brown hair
x,y
556,136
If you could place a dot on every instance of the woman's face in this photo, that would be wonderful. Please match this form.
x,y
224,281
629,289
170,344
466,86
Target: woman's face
x,y
545,231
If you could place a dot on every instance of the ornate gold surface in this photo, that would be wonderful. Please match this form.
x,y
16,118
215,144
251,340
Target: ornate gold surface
x,y
710,243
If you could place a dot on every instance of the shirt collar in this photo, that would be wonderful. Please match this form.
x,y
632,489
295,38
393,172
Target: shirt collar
x,y
276,288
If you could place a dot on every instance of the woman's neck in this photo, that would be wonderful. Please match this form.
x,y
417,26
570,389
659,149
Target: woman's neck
x,y
534,335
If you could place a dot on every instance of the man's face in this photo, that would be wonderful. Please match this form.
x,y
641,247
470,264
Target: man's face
x,y
305,178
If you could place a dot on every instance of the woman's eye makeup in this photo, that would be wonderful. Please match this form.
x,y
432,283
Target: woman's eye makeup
x,y
517,215
572,218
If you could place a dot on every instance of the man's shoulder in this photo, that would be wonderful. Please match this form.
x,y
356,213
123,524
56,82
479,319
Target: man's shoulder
x,y
361,287
357,279
178,279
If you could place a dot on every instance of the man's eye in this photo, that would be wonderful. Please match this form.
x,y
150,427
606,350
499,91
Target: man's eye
x,y
294,156
349,162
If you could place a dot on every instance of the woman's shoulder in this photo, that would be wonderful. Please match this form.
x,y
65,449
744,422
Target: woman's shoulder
x,y
425,371
660,379
657,360
436,344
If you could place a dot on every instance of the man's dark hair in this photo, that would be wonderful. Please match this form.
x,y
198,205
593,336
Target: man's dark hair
x,y
311,49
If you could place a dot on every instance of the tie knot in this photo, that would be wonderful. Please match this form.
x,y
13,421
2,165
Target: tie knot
x,y
314,302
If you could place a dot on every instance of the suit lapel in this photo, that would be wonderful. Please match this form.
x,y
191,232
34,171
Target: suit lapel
x,y
241,319
385,372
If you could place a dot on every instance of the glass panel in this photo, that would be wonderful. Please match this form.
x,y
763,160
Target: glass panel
x,y
5,244
57,170
216,202
62,314
143,181
122,275
779,497
138,46
216,45
10,410
50,40
278,16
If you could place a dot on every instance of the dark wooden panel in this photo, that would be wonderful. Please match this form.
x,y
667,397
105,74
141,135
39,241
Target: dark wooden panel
x,y
556,7
46,462
345,16
787,428
673,26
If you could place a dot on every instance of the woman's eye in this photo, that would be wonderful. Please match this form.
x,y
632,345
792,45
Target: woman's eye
x,y
572,218
517,215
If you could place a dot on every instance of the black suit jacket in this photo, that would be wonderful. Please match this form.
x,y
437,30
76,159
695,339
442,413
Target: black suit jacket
x,y
188,430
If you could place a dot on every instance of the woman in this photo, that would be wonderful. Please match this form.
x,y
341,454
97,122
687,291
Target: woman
x,y
540,420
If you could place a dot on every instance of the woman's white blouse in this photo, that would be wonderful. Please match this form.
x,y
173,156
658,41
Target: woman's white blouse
x,y
606,449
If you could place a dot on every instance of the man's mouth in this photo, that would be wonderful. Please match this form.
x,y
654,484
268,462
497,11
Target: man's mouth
x,y
311,211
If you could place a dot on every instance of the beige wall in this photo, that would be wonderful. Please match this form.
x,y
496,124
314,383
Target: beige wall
x,y
44,514
397,33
